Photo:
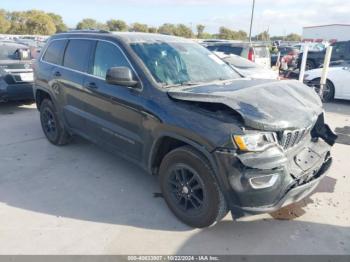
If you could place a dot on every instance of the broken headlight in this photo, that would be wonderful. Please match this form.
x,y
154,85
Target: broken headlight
x,y
255,142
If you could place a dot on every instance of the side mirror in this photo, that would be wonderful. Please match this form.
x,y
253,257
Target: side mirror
x,y
121,76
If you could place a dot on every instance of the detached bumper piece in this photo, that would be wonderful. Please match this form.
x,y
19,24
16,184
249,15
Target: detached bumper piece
x,y
322,130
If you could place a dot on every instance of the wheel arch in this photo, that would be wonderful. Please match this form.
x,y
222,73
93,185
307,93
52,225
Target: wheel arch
x,y
167,142
40,95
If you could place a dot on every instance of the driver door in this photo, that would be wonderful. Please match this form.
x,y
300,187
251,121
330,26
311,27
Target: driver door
x,y
113,116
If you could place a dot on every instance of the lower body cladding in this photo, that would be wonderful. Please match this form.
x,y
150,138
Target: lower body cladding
x,y
263,182
18,91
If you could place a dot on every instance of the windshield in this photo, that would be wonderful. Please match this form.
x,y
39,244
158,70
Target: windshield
x,y
177,63
14,52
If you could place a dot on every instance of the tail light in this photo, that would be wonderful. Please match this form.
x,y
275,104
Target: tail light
x,y
251,56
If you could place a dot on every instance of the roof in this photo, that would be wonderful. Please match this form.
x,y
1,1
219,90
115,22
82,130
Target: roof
x,y
129,37
326,25
134,37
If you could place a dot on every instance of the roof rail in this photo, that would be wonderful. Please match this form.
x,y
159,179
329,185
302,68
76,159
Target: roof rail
x,y
92,31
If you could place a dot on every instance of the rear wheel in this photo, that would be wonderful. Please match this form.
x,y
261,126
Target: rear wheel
x,y
309,65
190,189
328,89
51,125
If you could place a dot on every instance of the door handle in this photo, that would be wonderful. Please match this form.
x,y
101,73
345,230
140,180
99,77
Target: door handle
x,y
91,85
57,73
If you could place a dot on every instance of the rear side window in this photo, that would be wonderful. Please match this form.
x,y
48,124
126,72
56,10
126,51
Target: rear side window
x,y
107,55
212,48
77,54
230,49
54,52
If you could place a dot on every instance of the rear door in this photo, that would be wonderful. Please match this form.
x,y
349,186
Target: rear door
x,y
71,78
113,112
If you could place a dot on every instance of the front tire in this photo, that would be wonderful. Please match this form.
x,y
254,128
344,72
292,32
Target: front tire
x,y
190,189
52,126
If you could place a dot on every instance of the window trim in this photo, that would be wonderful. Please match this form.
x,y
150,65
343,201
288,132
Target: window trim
x,y
89,69
91,49
63,52
93,57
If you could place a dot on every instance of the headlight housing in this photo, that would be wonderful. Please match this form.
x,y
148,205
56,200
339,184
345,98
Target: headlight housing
x,y
255,142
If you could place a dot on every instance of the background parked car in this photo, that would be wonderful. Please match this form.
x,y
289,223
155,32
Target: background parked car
x,y
16,73
248,68
256,52
289,55
341,51
312,46
337,86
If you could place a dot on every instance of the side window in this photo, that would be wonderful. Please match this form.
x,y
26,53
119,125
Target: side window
x,y
54,52
339,48
77,55
106,56
230,49
212,48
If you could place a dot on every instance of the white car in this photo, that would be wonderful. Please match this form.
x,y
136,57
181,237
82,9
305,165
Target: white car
x,y
338,82
247,68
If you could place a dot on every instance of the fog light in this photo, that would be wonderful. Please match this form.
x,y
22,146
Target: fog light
x,y
263,181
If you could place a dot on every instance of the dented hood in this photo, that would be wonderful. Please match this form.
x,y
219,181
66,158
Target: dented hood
x,y
263,104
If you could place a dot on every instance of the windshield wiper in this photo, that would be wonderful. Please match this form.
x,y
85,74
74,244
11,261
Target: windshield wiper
x,y
185,83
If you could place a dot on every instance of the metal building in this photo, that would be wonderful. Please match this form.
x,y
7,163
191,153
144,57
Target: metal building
x,y
332,32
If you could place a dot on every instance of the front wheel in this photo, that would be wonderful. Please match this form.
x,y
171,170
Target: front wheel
x,y
190,189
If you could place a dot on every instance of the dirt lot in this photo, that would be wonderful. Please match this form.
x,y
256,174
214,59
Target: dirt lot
x,y
79,199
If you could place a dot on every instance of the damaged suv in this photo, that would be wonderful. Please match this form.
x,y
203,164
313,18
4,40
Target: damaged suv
x,y
217,141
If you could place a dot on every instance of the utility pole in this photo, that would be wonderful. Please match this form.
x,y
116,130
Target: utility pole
x,y
251,22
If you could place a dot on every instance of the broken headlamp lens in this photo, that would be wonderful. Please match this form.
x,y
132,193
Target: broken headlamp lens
x,y
255,142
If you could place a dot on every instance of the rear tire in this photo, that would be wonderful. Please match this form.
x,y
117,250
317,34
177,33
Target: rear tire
x,y
52,126
309,65
190,188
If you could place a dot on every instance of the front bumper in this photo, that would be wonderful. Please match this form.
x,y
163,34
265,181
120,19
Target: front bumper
x,y
298,171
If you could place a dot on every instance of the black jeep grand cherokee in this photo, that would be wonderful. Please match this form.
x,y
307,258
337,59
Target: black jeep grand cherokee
x,y
218,142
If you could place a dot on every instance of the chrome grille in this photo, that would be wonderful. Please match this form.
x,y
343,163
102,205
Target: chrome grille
x,y
291,138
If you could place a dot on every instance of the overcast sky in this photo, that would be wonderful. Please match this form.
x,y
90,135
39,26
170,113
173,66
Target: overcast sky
x,y
283,16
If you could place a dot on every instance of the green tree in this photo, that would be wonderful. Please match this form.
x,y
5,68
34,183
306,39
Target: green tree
x,y
293,37
206,35
4,22
138,27
39,23
263,36
167,29
200,30
152,29
184,31
226,33
117,25
89,23
58,21
18,23
242,35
